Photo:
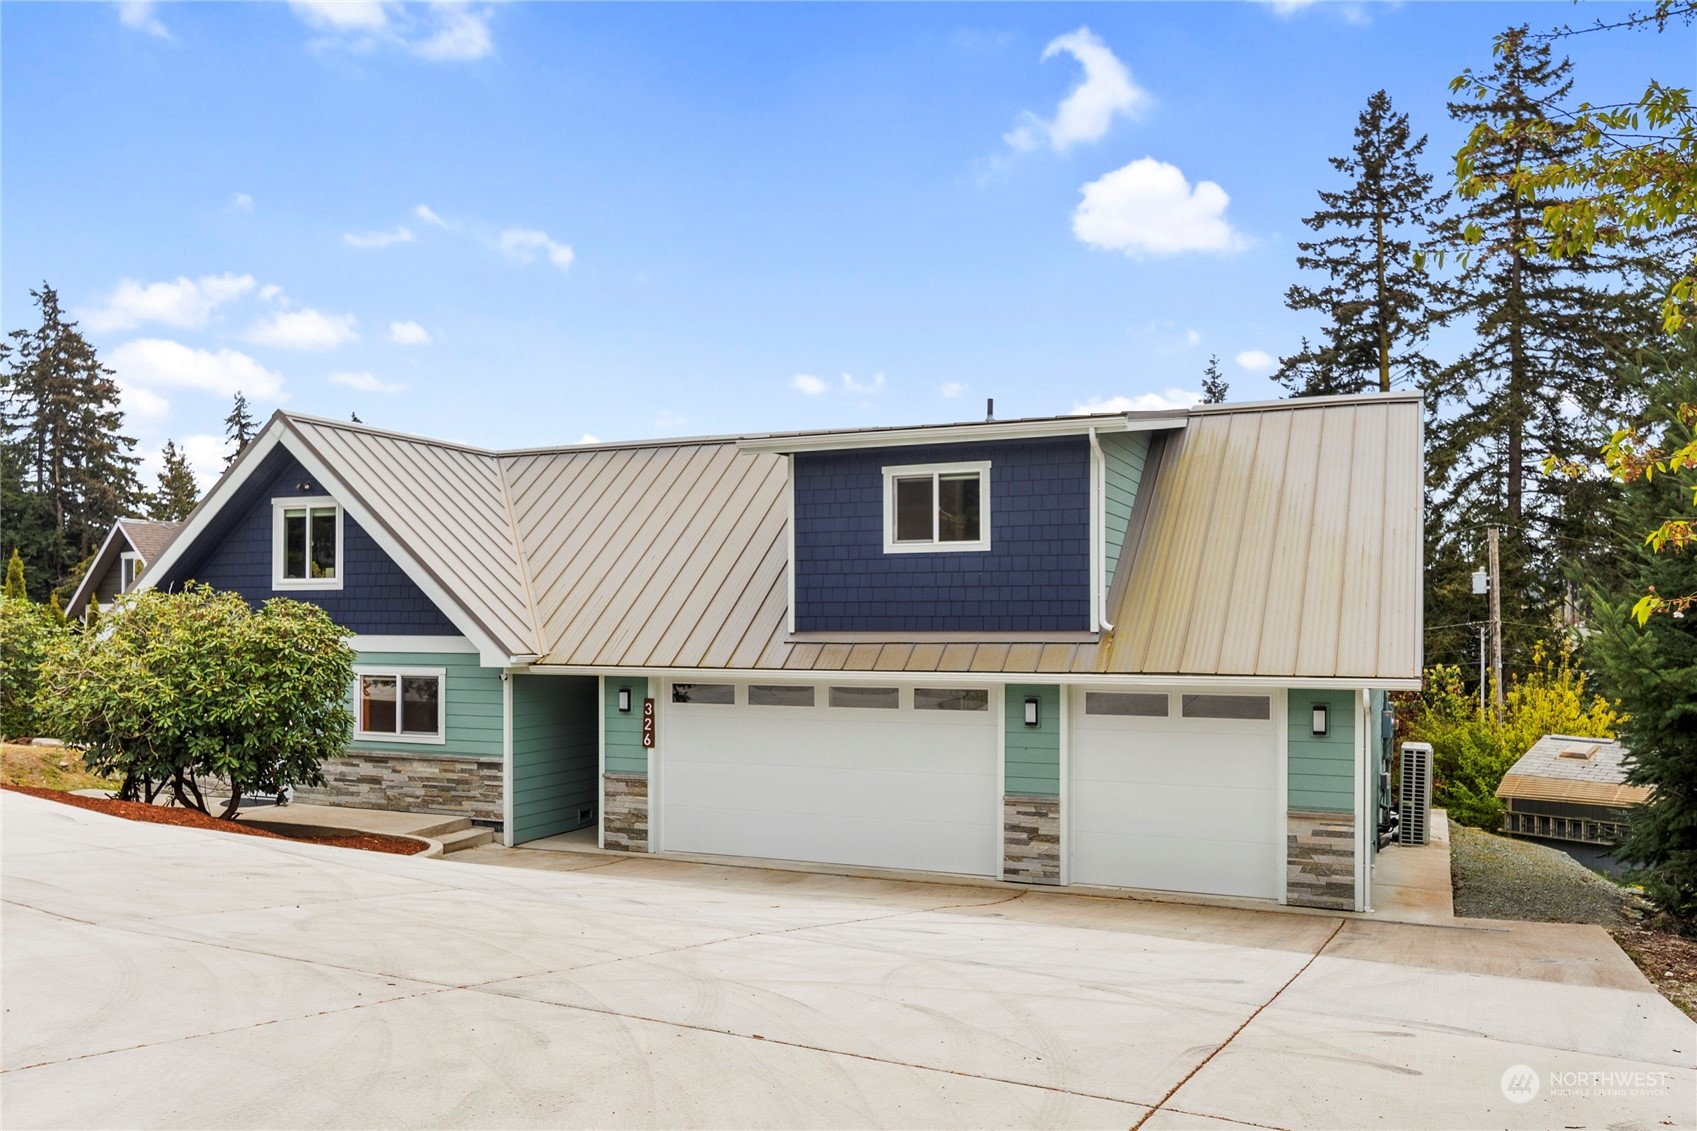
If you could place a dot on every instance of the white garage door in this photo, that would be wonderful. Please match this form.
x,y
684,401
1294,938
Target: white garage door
x,y
1175,795
861,782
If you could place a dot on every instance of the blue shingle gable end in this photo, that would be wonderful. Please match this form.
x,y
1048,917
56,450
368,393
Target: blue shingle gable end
x,y
376,597
1034,578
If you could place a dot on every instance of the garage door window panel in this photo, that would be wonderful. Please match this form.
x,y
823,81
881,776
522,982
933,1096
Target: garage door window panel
x,y
780,695
1227,707
951,699
1128,704
882,698
723,694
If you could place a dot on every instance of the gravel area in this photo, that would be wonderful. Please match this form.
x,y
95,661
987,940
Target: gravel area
x,y
1496,877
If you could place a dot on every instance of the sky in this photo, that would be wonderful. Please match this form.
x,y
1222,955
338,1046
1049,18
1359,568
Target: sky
x,y
525,224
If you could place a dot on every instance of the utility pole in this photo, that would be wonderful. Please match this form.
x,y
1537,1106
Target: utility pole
x,y
1496,626
1482,680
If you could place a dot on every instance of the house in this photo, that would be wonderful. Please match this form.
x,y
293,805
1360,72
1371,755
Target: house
x,y
1144,650
118,565
1572,793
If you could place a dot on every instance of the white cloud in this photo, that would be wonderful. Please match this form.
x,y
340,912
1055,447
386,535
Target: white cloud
x,y
141,16
1106,90
446,31
1148,208
587,438
183,303
304,329
150,363
1192,337
372,240
850,385
1350,11
523,244
1257,361
952,389
669,421
1143,402
408,334
807,383
270,291
428,215
241,202
142,405
366,383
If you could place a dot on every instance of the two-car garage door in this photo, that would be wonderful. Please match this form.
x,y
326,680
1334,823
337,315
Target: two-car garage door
x,y
1176,792
878,777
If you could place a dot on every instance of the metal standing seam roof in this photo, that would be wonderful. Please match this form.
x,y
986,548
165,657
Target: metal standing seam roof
x,y
1281,539
1544,774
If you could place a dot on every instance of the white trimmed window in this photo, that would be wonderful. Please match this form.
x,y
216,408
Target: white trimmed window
x,y
306,544
400,704
937,507
129,570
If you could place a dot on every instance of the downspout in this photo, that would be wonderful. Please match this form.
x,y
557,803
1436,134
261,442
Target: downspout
x,y
1099,535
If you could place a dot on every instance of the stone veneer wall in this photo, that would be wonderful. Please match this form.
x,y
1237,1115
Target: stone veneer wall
x,y
1320,859
1031,839
624,812
365,779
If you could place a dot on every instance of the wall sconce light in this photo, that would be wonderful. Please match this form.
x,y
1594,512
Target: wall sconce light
x,y
303,486
1319,720
624,700
1031,717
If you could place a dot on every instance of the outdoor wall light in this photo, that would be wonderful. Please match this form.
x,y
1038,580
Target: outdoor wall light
x,y
624,700
1031,718
1319,719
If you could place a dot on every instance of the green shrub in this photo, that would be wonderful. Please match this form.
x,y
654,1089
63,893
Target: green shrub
x,y
26,630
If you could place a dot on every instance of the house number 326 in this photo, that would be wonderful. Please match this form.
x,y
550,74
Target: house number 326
x,y
648,724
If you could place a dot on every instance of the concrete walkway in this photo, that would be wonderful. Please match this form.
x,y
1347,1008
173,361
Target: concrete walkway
x,y
1412,883
156,976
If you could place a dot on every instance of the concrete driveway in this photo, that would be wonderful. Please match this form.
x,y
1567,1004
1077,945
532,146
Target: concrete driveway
x,y
156,976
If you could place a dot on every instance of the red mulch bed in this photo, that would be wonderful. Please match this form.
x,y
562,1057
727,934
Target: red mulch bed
x,y
175,815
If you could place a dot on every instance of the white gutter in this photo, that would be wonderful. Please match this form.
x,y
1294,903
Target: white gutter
x,y
1098,537
956,433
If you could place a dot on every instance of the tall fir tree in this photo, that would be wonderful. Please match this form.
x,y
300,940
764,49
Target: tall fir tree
x,y
1376,297
238,428
65,445
1214,387
178,492
1545,359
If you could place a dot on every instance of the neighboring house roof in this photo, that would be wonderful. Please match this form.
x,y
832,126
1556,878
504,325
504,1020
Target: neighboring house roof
x,y
1587,771
139,536
673,554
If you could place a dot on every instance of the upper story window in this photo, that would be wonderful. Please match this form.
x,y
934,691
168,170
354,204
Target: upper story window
x,y
129,571
939,506
306,544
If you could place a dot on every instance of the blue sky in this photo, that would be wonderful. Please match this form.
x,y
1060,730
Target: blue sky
x,y
524,224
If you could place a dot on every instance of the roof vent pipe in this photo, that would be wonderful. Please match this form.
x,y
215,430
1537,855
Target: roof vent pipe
x,y
989,409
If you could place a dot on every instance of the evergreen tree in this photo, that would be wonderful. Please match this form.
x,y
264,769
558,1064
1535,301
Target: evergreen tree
x,y
1651,667
1376,297
15,587
63,440
1214,387
1546,353
178,492
238,428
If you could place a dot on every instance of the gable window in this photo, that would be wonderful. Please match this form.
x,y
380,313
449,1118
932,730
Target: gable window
x,y
306,544
932,507
129,571
399,704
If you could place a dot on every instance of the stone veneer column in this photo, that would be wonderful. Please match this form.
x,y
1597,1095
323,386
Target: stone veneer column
x,y
1031,839
1320,859
625,812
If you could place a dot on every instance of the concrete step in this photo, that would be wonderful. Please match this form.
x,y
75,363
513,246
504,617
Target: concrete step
x,y
463,839
436,829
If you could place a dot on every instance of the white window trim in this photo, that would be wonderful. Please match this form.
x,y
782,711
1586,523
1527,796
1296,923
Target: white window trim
x,y
278,506
440,738
135,574
891,474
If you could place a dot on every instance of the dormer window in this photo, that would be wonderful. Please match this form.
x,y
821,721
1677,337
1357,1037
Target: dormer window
x,y
937,507
306,544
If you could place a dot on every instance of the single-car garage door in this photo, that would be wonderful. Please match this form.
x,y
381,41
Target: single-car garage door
x,y
884,777
1175,791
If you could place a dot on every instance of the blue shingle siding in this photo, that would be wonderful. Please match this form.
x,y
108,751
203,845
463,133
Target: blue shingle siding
x,y
235,553
1035,577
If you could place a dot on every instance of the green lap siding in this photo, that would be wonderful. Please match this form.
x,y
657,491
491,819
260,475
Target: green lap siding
x,y
1322,770
625,752
1033,754
554,755
471,697
1123,456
